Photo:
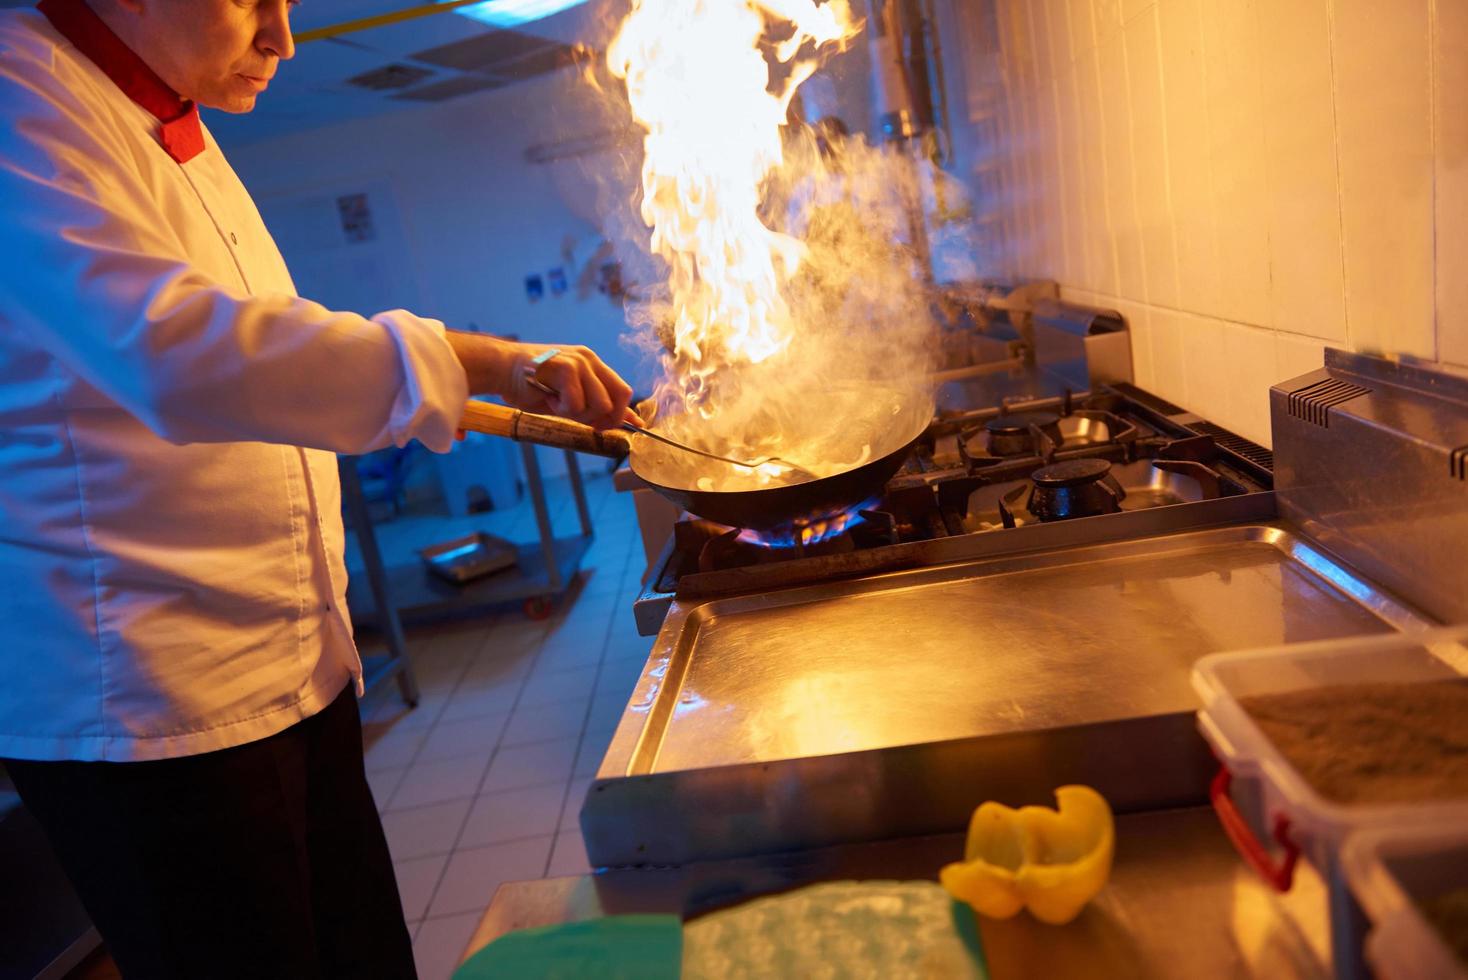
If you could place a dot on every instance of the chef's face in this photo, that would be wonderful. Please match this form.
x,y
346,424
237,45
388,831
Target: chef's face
x,y
220,53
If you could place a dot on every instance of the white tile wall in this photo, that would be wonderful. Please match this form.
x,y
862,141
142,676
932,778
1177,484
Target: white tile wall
x,y
1170,377
1139,318
1116,138
1203,352
1108,20
1235,137
1249,352
1132,9
1450,179
1093,134
1156,227
1082,26
1248,181
1308,294
1383,94
1294,356
1190,171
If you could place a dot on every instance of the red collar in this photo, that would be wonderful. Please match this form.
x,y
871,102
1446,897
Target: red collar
x,y
179,130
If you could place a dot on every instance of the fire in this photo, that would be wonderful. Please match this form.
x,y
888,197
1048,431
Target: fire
x,y
807,533
793,321
698,82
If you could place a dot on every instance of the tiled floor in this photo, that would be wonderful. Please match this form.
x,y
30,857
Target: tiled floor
x,y
483,781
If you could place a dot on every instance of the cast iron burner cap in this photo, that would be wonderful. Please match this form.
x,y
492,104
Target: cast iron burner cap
x,y
1071,473
1075,488
1019,423
1014,435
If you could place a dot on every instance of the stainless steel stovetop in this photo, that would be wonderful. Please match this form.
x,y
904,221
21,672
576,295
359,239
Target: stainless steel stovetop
x,y
994,469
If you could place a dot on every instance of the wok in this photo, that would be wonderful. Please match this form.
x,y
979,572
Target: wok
x,y
765,509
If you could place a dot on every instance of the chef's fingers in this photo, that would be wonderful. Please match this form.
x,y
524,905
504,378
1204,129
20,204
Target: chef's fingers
x,y
589,391
606,395
600,411
631,417
599,407
566,379
619,391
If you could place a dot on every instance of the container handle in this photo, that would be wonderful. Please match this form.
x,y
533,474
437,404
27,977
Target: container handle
x,y
1280,875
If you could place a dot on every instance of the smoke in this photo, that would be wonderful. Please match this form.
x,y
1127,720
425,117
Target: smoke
x,y
860,339
779,289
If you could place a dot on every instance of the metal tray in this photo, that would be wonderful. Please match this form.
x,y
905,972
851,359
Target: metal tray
x,y
894,704
470,557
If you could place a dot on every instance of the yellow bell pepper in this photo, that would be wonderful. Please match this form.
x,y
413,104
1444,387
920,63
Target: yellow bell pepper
x,y
1050,861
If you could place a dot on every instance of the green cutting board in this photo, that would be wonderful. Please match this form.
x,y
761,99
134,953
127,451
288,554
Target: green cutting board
x,y
842,930
617,947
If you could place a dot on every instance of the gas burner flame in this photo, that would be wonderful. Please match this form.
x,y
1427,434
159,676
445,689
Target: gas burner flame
x,y
805,533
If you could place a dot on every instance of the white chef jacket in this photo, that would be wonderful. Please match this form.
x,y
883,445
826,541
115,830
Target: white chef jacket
x,y
171,572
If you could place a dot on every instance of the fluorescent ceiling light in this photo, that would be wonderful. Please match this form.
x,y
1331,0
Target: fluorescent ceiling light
x,y
512,13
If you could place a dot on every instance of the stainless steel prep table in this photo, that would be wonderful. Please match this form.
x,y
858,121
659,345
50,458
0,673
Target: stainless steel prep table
x,y
1179,904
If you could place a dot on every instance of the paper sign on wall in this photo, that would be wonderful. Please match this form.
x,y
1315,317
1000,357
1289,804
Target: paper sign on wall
x,y
356,217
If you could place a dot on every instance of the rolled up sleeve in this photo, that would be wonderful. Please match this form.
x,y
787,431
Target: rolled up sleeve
x,y
431,398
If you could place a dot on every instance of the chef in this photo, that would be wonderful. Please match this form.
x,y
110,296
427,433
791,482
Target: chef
x,y
177,673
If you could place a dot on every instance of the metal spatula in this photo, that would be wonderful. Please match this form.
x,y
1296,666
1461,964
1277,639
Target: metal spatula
x,y
546,389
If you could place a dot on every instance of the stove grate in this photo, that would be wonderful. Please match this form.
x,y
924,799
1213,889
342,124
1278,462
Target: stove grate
x,y
1237,445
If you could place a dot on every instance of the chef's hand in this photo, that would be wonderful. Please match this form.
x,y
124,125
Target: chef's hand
x,y
590,391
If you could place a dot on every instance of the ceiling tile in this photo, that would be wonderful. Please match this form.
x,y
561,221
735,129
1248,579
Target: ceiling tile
x,y
313,91
399,40
328,62
486,52
390,77
328,13
538,63
450,88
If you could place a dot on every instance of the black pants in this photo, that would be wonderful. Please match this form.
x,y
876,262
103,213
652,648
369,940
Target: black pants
x,y
265,860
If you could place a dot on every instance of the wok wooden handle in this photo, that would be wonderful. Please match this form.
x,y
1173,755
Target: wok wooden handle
x,y
543,430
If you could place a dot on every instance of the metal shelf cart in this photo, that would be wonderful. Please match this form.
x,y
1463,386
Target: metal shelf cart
x,y
545,569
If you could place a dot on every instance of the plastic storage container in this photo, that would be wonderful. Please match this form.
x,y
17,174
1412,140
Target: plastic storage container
x,y
1298,818
1389,872
1257,790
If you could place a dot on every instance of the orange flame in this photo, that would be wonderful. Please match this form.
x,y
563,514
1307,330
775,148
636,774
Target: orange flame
x,y
699,84
802,534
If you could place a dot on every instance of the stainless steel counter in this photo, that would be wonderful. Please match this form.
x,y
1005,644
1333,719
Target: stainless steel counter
x,y
1011,645
890,706
1179,904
